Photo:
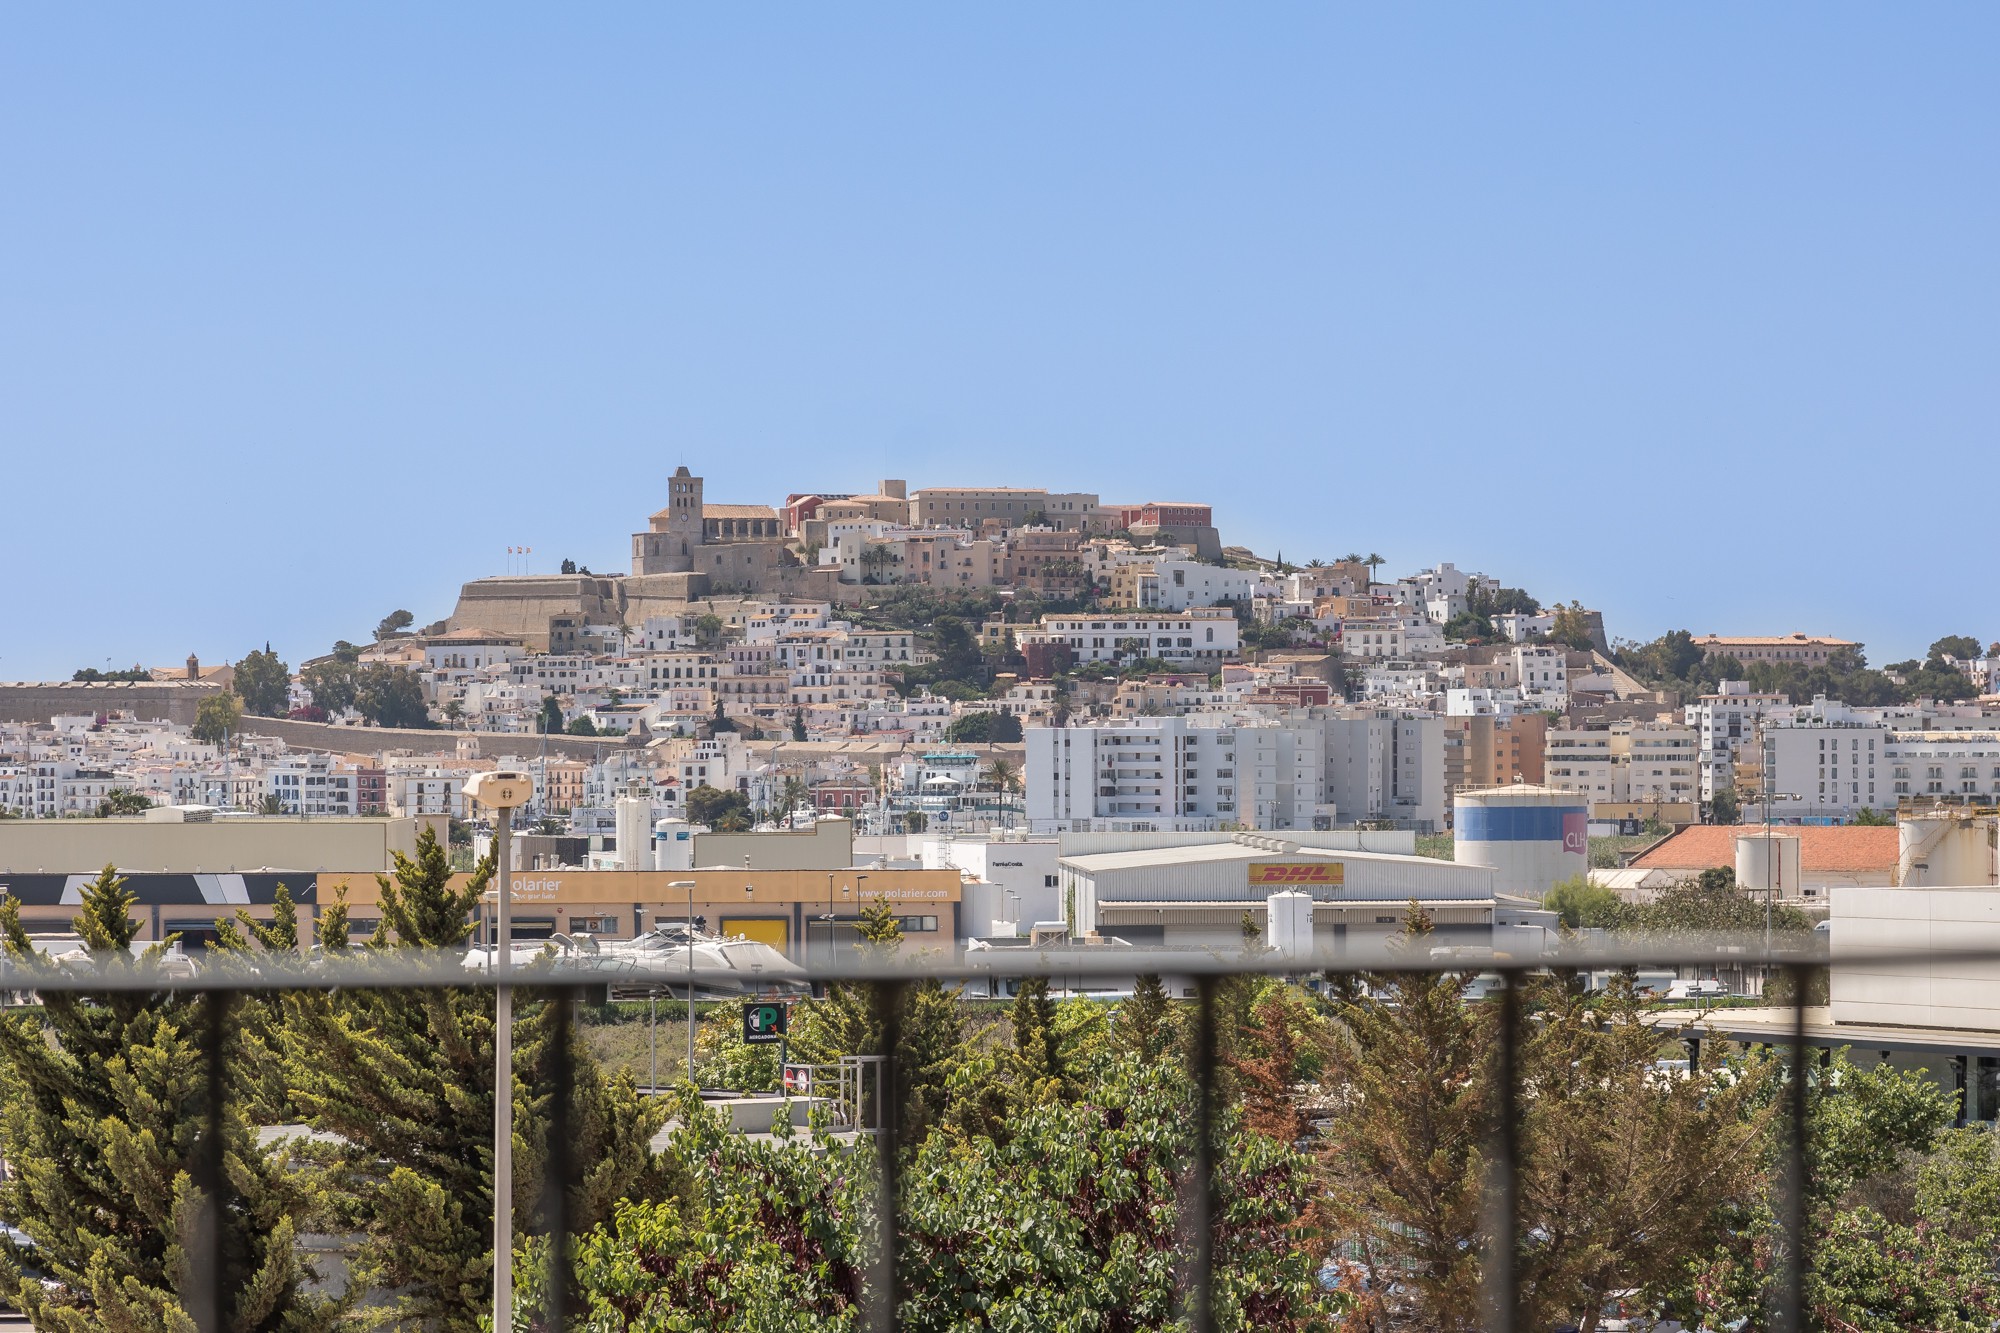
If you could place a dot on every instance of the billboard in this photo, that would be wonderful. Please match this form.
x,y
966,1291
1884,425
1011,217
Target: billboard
x,y
1275,874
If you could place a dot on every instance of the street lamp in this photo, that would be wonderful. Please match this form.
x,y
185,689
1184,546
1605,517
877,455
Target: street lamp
x,y
1009,893
505,791
688,884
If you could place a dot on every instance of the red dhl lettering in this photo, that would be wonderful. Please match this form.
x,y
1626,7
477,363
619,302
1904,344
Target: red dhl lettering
x,y
1295,874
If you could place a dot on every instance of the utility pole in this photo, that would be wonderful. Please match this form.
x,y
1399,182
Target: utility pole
x,y
503,792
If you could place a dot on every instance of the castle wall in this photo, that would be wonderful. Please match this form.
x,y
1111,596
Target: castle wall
x,y
149,701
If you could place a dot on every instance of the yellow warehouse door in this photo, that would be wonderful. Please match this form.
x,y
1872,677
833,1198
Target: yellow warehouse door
x,y
764,930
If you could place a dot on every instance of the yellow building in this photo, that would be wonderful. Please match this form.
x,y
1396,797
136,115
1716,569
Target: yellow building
x,y
787,909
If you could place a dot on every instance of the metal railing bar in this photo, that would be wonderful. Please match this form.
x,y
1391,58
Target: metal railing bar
x,y
1503,1272
414,968
561,1164
1201,1207
1791,1316
884,1290
208,1294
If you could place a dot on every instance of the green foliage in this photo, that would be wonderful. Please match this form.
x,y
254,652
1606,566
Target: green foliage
x,y
1961,646
107,1099
708,629
798,724
119,801
984,729
261,681
215,718
406,1080
1724,809
1583,904
721,722
581,725
136,674
389,696
550,723
714,807
332,682
1871,818
1673,662
1711,904
393,624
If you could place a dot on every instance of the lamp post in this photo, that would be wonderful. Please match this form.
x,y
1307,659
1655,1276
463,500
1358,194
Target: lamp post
x,y
688,884
1009,893
504,792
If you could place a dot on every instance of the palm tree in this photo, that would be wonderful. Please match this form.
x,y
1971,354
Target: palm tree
x,y
1351,558
796,793
1374,562
1315,563
1000,776
119,801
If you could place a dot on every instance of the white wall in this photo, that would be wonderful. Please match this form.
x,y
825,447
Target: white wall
x,y
1915,923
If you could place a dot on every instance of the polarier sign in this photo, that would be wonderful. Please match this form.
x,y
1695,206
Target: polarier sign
x,y
763,1022
1276,873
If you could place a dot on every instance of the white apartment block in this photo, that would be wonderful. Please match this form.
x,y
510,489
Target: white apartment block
x,y
311,784
1961,766
1386,765
50,789
1542,675
1162,774
1519,627
1726,722
1199,634
1650,762
1377,638
1482,702
1176,585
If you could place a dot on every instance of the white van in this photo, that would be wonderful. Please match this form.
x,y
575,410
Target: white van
x,y
1707,989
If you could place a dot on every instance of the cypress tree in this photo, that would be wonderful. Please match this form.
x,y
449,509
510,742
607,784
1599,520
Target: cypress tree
x,y
1140,1025
405,1078
102,1126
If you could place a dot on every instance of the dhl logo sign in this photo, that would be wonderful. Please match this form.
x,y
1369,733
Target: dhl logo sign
x,y
1296,872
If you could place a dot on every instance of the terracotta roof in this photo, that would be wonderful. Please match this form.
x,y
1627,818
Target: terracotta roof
x,y
1821,847
1760,640
738,511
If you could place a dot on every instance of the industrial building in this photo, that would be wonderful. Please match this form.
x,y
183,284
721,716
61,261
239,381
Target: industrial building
x,y
197,840
1197,894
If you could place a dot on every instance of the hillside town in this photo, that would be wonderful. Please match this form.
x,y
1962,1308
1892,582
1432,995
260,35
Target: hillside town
x,y
972,659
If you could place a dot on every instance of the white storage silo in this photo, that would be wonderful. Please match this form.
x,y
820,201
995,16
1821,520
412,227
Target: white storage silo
x,y
1532,837
632,816
1944,851
1288,924
1768,863
673,845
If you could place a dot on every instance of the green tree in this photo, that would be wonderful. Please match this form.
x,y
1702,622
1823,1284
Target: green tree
x,y
551,721
332,682
581,725
390,696
1961,646
1142,1025
1724,808
1584,904
711,805
708,629
102,1127
405,1080
215,718
119,801
721,722
261,681
984,729
393,624
1867,817
798,724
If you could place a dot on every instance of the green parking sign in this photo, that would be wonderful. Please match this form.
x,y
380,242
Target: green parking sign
x,y
763,1022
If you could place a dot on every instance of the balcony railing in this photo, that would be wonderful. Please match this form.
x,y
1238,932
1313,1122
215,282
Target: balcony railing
x,y
888,976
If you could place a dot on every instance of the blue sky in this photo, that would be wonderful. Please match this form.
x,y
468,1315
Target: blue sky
x,y
306,313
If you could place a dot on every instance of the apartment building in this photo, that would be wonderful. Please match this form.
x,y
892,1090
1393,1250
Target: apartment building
x,y
1164,775
312,784
1176,585
1494,750
1199,634
1386,766
1725,722
1651,764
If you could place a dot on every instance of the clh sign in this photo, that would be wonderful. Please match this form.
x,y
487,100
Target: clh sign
x,y
763,1022
1576,832
1296,872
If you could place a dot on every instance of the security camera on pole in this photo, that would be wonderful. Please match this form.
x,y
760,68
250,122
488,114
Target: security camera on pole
x,y
503,791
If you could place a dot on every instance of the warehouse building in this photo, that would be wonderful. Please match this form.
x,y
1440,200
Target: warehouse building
x,y
1194,895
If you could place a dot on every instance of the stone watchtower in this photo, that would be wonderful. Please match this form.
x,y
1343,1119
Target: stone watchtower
x,y
674,534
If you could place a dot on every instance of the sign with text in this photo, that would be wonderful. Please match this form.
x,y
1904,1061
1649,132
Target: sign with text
x,y
1275,874
763,1022
1576,833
